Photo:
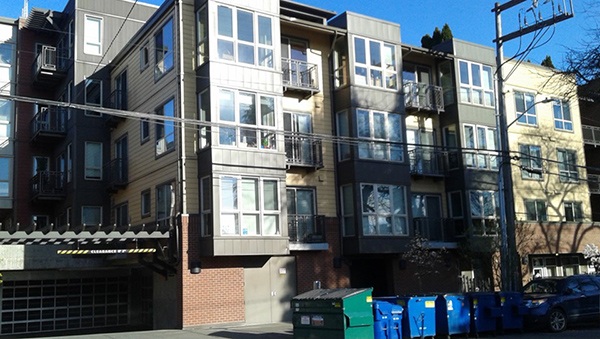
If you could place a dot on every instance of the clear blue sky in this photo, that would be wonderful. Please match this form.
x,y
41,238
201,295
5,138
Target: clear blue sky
x,y
470,20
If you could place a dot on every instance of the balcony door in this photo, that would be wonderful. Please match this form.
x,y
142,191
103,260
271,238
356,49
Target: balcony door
x,y
422,158
301,212
416,80
298,144
294,57
427,216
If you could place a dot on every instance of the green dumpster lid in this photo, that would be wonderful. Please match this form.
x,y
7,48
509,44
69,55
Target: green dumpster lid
x,y
330,294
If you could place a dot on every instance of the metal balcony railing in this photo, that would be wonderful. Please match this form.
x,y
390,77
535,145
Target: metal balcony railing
x,y
48,185
300,75
476,159
303,150
591,135
594,183
49,121
427,160
423,96
435,229
49,65
306,228
117,173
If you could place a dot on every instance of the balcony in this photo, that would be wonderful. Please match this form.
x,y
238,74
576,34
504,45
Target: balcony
x,y
300,76
306,228
303,150
49,124
48,185
116,100
435,229
427,161
49,67
474,159
117,174
420,96
591,135
594,183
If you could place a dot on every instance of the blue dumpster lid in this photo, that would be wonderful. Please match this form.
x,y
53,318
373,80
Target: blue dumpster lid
x,y
326,294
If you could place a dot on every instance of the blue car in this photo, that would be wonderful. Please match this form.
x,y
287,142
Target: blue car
x,y
556,302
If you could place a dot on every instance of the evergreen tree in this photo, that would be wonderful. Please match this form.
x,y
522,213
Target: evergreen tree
x,y
547,62
439,36
426,41
446,32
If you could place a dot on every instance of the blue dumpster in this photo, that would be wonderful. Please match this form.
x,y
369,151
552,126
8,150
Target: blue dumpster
x,y
484,312
513,310
418,318
387,319
452,314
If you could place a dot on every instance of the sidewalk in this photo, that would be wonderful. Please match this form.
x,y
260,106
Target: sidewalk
x,y
267,331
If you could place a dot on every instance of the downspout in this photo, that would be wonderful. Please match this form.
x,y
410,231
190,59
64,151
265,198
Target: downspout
x,y
181,87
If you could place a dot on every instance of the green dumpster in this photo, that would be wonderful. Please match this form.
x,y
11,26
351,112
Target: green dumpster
x,y
333,313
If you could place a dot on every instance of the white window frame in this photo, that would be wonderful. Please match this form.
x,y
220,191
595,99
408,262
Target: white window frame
x,y
485,217
563,117
384,75
373,148
93,163
574,207
468,88
165,130
239,209
568,170
263,52
525,109
481,154
235,133
92,44
396,213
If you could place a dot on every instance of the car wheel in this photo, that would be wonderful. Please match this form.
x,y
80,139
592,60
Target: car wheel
x,y
557,320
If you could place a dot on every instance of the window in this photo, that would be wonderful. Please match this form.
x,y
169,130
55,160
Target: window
x,y
120,93
480,144
202,35
93,161
340,63
93,95
71,38
525,108
164,204
562,115
91,215
5,170
383,132
144,57
145,203
348,210
476,84
375,63
6,113
204,116
92,43
573,211
383,210
299,145
206,204
535,210
165,130
343,130
251,120
301,207
244,37
447,82
456,207
567,166
163,42
531,161
249,206
122,215
40,221
484,212
144,130
40,164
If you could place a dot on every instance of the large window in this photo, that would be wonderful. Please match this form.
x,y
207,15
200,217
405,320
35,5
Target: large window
x,y
380,135
165,130
301,211
245,37
531,161
484,212
164,203
206,204
92,43
535,210
120,93
145,203
525,108
480,147
562,115
343,130
567,166
251,120
91,215
383,210
204,116
93,161
163,42
249,206
573,211
121,214
375,63
6,109
476,84
5,177
348,210
202,35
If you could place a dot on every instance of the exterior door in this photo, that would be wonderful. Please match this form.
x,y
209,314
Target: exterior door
x,y
298,146
269,289
427,216
301,213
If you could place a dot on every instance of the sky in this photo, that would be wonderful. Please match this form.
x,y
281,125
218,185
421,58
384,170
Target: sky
x,y
469,20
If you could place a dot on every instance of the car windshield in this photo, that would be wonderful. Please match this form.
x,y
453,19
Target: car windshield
x,y
541,286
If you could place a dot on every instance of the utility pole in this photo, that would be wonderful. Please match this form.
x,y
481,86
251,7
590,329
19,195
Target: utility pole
x,y
509,263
